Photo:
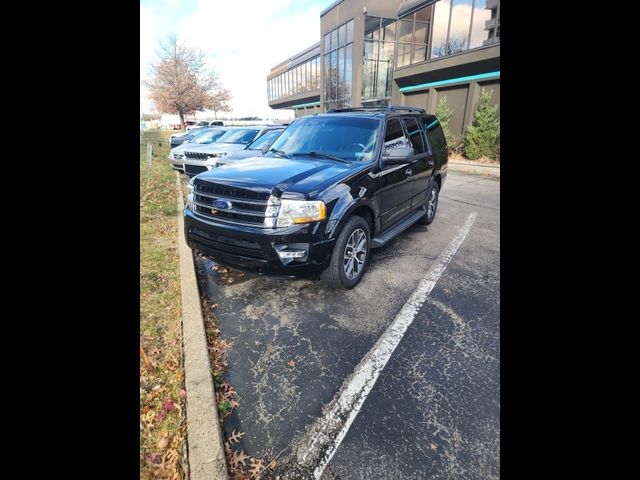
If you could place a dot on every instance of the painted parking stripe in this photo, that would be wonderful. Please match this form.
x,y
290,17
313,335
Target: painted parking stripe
x,y
322,440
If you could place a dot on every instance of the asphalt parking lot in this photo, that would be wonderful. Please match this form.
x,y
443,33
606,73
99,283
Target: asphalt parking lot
x,y
434,410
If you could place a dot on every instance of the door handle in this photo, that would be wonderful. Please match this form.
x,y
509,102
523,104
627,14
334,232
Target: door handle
x,y
408,172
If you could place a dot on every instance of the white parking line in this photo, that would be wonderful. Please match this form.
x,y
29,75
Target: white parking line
x,y
324,437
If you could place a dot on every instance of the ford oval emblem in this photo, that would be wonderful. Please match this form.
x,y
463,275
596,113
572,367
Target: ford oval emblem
x,y
222,204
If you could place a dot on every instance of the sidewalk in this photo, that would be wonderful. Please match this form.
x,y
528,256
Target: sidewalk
x,y
468,166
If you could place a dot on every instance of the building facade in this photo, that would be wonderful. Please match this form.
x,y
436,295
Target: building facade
x,y
411,52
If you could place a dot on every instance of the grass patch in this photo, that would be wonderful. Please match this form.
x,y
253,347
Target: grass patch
x,y
162,406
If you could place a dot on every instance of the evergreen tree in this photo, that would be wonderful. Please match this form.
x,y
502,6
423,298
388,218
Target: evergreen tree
x,y
482,138
443,112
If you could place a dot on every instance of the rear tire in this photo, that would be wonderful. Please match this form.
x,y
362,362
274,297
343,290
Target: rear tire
x,y
350,256
431,204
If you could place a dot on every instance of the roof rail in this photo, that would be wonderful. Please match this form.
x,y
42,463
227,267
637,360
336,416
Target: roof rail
x,y
387,109
356,109
396,108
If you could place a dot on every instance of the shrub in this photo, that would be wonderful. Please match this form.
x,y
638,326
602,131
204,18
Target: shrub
x,y
482,138
443,112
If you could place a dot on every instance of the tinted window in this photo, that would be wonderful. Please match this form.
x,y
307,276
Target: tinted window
x,y
241,135
347,137
436,136
415,135
266,139
394,136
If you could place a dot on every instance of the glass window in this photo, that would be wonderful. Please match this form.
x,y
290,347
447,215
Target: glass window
x,y
371,27
480,16
207,136
460,23
419,53
404,34
347,137
334,39
420,33
333,75
239,135
415,135
340,75
394,136
266,139
388,30
404,54
327,42
342,35
423,15
440,27
348,70
350,31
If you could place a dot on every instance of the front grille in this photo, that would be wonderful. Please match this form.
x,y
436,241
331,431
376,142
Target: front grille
x,y
194,169
196,155
248,207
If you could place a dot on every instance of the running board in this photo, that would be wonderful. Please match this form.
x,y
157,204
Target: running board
x,y
397,229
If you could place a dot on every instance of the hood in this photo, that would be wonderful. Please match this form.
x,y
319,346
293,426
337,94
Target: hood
x,y
299,176
241,155
216,147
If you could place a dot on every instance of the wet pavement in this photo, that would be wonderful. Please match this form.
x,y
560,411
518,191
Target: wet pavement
x,y
434,410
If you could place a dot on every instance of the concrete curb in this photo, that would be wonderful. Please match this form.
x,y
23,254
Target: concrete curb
x,y
477,168
204,436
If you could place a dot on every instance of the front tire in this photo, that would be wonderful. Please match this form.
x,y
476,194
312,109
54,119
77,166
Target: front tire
x,y
431,204
350,256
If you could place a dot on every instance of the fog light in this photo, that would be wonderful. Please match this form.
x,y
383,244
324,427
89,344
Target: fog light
x,y
291,252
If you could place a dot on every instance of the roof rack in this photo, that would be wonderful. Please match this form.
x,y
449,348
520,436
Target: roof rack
x,y
356,109
396,108
387,109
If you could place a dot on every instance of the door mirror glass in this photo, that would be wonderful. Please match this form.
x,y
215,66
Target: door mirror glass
x,y
398,155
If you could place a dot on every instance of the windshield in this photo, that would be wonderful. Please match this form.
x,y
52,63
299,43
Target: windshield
x,y
207,136
240,135
343,136
203,123
265,140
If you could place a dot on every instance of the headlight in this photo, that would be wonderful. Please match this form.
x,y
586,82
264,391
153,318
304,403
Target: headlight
x,y
297,211
191,187
171,155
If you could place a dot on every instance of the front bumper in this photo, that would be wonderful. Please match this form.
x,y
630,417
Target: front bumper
x,y
253,249
176,164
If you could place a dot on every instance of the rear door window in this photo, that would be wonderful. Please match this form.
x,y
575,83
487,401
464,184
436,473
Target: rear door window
x,y
415,136
394,136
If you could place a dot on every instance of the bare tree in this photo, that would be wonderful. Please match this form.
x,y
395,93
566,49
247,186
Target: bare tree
x,y
453,45
182,84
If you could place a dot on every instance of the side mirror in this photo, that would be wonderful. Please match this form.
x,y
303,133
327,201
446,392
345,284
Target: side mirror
x,y
398,155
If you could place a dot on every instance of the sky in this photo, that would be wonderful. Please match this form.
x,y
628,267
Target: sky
x,y
242,40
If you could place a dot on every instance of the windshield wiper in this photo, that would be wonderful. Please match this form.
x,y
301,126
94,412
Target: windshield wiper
x,y
322,155
280,153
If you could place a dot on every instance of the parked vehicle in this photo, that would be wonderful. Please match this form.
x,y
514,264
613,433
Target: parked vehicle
x,y
200,158
205,136
255,148
180,138
216,123
332,187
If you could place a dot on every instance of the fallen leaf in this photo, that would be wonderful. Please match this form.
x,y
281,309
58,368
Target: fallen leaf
x,y
155,458
291,363
169,405
183,393
215,305
433,447
256,467
235,437
163,442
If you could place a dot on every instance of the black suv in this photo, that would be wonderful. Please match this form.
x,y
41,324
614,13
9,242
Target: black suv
x,y
329,189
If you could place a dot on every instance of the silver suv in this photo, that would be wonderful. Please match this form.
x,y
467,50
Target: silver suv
x,y
200,158
204,136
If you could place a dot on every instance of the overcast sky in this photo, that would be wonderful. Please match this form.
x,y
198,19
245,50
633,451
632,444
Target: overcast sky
x,y
242,39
